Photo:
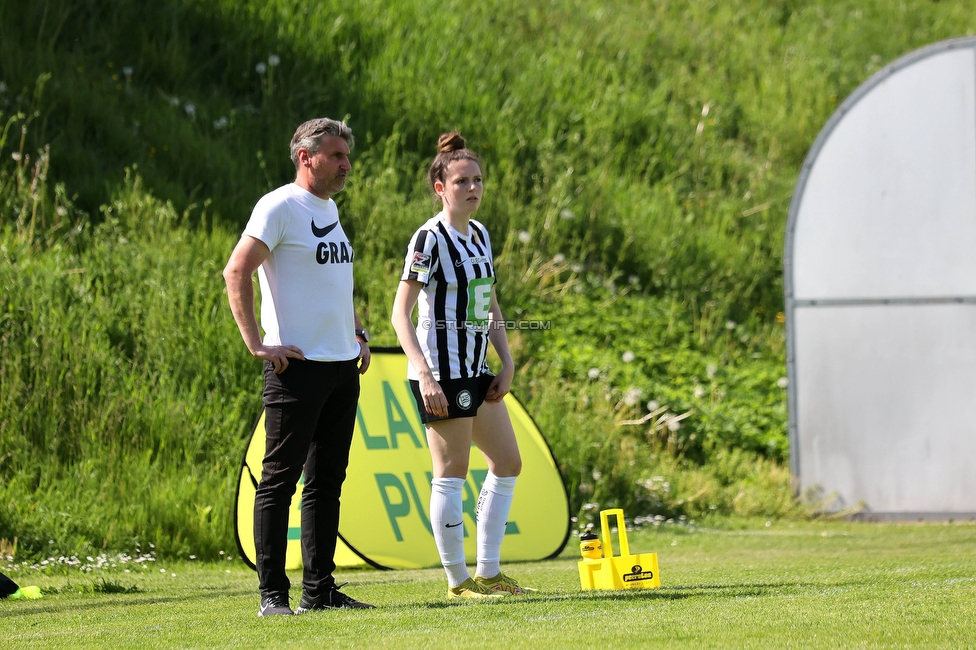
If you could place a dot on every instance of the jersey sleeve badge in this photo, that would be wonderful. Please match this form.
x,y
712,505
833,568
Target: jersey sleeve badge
x,y
420,263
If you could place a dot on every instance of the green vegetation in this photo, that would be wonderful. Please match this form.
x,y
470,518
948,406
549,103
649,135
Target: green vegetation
x,y
640,158
744,586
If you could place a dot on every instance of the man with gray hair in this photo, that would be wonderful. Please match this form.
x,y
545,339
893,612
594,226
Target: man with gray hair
x,y
314,349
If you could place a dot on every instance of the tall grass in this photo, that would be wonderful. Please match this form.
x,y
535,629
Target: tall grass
x,y
661,139
123,404
639,156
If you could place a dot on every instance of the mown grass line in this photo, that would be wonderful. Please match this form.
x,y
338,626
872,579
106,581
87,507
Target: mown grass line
x,y
739,585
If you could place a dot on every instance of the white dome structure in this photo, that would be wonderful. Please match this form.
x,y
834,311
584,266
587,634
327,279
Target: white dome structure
x,y
880,279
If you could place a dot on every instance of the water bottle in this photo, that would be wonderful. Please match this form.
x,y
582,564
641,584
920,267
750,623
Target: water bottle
x,y
590,547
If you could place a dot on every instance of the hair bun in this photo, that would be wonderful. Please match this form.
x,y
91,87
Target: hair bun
x,y
450,142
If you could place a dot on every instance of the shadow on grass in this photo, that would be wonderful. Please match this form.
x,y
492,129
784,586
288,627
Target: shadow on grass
x,y
101,600
664,593
675,593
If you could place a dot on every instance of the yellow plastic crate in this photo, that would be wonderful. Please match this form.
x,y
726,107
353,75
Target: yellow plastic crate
x,y
625,571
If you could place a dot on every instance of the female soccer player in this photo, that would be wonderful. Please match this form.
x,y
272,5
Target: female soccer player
x,y
449,274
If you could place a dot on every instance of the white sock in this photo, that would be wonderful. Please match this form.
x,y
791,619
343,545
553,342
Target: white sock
x,y
447,522
494,503
456,574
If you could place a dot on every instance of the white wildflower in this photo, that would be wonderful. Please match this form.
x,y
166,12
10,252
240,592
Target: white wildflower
x,y
524,236
191,110
632,396
558,258
567,214
710,370
261,67
653,405
593,373
699,392
730,324
782,382
628,356
274,60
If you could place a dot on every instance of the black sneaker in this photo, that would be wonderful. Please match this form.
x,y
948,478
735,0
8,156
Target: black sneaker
x,y
335,599
275,605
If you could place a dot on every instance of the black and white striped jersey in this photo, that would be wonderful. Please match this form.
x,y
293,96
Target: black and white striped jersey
x,y
458,272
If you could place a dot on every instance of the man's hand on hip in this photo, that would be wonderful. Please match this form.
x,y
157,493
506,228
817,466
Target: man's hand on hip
x,y
278,355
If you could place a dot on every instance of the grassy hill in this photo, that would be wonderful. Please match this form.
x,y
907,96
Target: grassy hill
x,y
640,158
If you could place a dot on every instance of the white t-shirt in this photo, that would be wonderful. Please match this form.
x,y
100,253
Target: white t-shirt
x,y
306,281
458,273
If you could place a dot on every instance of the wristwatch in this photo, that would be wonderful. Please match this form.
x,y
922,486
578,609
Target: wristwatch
x,y
363,334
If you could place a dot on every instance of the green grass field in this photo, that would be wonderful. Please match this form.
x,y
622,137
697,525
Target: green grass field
x,y
740,585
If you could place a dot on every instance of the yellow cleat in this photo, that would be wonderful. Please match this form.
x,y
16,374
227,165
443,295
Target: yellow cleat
x,y
471,589
503,584
29,593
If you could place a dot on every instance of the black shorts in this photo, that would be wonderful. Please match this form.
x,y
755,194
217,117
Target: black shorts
x,y
464,396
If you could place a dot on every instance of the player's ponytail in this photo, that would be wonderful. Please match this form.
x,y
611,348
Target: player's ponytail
x,y
449,142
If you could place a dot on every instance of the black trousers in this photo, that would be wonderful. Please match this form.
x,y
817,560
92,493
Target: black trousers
x,y
310,414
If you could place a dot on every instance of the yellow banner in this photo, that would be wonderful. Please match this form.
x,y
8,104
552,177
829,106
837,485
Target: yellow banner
x,y
384,518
